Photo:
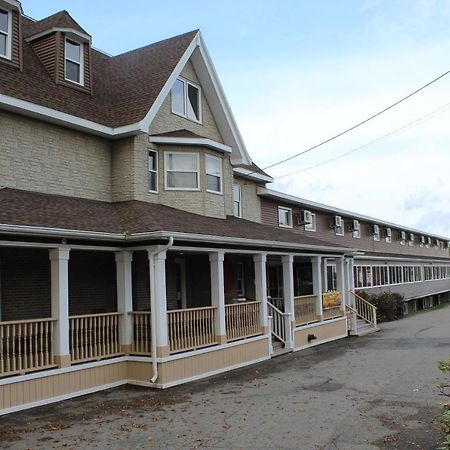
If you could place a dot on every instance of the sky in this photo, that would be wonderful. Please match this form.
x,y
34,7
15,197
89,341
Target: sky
x,y
297,72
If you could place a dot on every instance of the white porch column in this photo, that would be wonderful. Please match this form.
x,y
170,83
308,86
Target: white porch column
x,y
218,294
324,275
59,269
316,263
125,299
261,289
157,269
288,292
340,281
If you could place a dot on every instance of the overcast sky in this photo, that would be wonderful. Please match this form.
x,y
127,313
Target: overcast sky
x,y
297,72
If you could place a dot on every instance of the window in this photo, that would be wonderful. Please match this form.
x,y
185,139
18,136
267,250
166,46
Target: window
x,y
213,174
339,230
5,34
284,217
240,278
181,171
186,100
311,226
388,235
152,171
237,200
74,62
355,228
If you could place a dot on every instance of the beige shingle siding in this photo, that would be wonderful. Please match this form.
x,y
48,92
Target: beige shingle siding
x,y
251,202
123,169
166,121
46,158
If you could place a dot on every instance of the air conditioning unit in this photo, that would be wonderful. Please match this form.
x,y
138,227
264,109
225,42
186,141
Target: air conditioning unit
x,y
374,230
411,237
422,239
355,225
337,222
402,235
388,232
305,216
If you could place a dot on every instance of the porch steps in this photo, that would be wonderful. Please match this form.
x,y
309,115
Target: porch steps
x,y
363,327
278,348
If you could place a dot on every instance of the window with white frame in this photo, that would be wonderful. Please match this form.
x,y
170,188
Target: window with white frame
x,y
284,217
187,100
213,174
388,235
152,171
355,228
181,171
74,66
5,33
340,230
237,200
311,226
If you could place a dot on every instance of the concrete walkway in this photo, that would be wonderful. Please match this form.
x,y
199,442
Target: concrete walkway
x,y
374,392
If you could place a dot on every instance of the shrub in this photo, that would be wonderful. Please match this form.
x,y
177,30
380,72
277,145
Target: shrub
x,y
389,305
444,367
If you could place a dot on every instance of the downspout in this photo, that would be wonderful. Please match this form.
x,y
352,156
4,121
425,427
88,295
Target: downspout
x,y
151,263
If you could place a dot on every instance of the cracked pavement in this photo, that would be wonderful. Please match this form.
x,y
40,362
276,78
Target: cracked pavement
x,y
373,392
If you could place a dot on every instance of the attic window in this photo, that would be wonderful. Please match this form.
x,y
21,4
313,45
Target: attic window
x,y
74,62
186,100
5,34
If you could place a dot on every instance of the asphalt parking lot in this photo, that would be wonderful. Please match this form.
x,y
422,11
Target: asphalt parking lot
x,y
373,392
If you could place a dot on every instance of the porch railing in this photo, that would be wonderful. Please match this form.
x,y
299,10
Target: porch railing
x,y
26,345
242,320
141,333
331,302
94,336
281,325
305,309
192,328
278,302
364,309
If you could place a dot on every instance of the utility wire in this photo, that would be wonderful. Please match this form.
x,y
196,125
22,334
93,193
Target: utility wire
x,y
358,124
403,128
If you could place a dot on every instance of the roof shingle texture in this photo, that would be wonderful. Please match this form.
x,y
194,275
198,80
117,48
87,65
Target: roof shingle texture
x,y
124,87
55,211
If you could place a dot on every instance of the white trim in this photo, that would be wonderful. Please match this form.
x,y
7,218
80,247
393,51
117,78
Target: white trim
x,y
264,192
15,4
405,258
220,191
59,398
251,175
9,33
325,341
196,154
60,118
68,31
318,324
200,142
79,63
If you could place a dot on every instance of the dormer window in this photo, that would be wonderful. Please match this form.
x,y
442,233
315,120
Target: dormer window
x,y
5,33
74,70
186,100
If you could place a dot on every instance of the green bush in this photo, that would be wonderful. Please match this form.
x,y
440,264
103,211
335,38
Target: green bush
x,y
444,367
389,304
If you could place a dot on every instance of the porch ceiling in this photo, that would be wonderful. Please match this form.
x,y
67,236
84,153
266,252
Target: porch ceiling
x,y
133,218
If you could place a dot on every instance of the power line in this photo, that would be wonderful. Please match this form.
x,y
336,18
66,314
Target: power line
x,y
409,125
373,116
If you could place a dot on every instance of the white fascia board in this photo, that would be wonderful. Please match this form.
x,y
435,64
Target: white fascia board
x,y
70,31
53,116
203,142
264,192
12,3
412,259
246,173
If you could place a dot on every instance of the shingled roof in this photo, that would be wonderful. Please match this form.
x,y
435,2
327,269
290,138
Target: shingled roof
x,y
124,87
55,211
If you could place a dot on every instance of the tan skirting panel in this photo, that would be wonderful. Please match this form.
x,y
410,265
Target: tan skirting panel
x,y
213,361
324,331
58,385
140,371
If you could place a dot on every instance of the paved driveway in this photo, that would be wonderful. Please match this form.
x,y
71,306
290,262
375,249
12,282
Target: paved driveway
x,y
374,392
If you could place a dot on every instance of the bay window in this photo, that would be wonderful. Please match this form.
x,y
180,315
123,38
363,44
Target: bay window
x,y
152,171
182,171
213,174
237,200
